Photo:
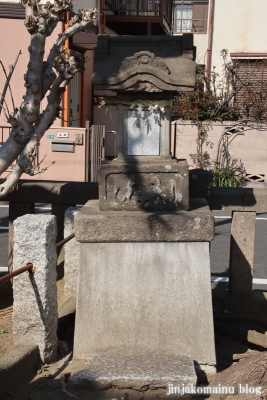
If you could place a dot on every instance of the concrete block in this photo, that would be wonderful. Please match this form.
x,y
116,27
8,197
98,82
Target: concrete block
x,y
242,253
35,295
145,298
92,225
200,183
139,372
17,364
71,263
256,199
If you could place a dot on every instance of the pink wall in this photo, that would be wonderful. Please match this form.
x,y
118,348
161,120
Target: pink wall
x,y
14,37
67,166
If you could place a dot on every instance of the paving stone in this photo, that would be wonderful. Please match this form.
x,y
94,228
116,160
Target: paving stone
x,y
139,372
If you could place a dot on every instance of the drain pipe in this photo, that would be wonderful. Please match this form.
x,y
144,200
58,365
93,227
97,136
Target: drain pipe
x,y
210,39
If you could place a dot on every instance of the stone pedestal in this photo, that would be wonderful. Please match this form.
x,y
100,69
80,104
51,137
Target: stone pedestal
x,y
144,283
144,293
146,185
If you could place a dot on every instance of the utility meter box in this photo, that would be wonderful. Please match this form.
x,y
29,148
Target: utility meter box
x,y
63,145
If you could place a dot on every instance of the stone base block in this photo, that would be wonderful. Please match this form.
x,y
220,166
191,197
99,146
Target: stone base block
x,y
144,186
196,225
144,283
139,372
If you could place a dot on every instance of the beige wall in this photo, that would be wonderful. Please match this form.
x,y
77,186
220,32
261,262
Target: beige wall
x,y
201,43
239,26
250,148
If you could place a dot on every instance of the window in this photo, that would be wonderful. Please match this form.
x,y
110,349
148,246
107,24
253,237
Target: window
x,y
250,84
190,16
183,17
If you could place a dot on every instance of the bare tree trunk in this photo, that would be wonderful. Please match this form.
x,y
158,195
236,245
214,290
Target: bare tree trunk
x,y
28,124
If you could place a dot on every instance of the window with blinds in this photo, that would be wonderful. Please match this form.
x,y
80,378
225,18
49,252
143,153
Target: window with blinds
x,y
11,10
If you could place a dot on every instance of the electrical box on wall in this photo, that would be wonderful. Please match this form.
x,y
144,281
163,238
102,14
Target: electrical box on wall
x,y
63,145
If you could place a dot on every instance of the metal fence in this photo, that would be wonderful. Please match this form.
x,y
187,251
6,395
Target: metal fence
x,y
97,150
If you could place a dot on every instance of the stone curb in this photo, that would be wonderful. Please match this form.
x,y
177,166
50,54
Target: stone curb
x,y
18,363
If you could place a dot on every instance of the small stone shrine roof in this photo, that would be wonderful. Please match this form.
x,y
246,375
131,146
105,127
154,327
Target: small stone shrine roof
x,y
144,63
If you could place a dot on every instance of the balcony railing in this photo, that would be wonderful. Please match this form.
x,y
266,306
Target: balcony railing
x,y
152,9
133,7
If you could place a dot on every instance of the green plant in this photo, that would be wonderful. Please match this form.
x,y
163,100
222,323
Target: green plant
x,y
43,368
211,100
3,331
228,172
231,175
234,96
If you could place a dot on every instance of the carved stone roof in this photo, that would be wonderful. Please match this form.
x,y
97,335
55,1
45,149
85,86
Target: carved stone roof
x,y
144,64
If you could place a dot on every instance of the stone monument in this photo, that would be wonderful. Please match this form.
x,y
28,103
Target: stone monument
x,y
144,294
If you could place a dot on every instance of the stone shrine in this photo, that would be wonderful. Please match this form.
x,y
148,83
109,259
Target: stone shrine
x,y
144,293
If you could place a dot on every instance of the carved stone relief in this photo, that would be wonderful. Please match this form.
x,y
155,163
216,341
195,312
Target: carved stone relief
x,y
137,191
144,58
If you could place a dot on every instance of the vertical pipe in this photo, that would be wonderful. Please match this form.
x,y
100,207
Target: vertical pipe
x,y
210,39
87,151
66,93
161,12
82,121
174,140
101,17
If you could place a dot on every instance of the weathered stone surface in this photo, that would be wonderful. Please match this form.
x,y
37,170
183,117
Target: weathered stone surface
x,y
242,252
144,63
71,263
158,127
144,186
35,295
144,298
92,225
139,372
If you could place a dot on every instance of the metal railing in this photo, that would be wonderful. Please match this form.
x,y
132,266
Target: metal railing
x,y
97,149
133,7
29,266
